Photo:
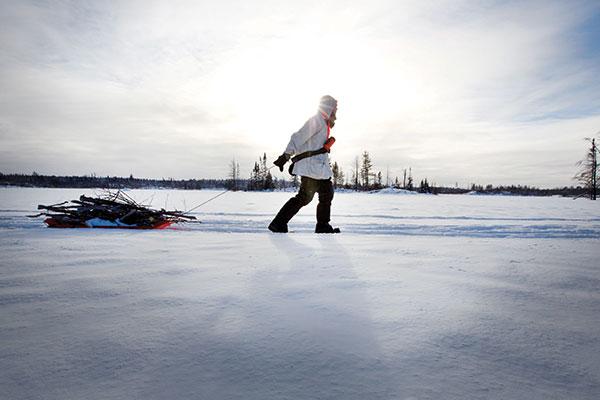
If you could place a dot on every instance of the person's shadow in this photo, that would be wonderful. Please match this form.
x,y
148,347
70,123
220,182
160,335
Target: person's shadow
x,y
322,326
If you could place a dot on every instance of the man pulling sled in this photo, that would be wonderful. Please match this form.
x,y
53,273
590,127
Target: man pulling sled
x,y
309,151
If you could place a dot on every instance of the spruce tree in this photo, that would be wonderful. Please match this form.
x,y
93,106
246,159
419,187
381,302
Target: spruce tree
x,y
409,184
365,170
338,175
588,175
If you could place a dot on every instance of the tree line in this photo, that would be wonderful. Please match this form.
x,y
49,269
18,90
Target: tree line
x,y
110,182
362,177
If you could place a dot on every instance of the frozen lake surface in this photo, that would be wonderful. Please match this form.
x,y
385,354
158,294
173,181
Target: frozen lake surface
x,y
420,297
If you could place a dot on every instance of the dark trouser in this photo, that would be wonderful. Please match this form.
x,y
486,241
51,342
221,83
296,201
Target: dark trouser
x,y
308,187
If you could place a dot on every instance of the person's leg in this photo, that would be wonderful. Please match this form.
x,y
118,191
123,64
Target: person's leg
x,y
308,186
325,191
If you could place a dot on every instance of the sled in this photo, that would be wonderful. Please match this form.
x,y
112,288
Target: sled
x,y
57,223
113,211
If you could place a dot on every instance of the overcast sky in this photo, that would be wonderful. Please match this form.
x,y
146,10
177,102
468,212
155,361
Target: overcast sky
x,y
499,92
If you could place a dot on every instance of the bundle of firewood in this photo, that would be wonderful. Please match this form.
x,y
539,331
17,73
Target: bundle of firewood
x,y
114,210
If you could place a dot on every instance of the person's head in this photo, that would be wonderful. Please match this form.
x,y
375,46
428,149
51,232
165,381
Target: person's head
x,y
333,116
328,106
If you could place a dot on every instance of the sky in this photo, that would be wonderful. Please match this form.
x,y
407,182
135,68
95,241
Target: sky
x,y
460,92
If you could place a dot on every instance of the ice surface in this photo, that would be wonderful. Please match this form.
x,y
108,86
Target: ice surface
x,y
420,297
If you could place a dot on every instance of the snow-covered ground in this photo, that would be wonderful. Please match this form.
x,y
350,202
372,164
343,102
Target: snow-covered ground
x,y
420,297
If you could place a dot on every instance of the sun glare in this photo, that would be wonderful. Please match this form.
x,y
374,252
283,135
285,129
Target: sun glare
x,y
275,85
272,87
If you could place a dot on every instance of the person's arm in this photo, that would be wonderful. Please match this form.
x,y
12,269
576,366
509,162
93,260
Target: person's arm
x,y
299,138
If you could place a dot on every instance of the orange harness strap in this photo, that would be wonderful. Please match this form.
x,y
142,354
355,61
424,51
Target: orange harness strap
x,y
328,126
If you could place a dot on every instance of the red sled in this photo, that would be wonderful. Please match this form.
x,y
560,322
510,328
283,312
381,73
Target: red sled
x,y
57,223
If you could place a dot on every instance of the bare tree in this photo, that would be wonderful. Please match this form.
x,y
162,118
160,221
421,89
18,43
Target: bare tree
x,y
356,173
234,174
588,174
387,176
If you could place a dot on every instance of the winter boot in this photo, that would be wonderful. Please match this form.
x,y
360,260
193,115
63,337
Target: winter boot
x,y
278,228
326,228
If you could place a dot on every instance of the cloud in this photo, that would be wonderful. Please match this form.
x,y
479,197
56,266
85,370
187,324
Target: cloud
x,y
442,86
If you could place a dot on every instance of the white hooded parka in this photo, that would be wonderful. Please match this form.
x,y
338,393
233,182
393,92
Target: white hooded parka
x,y
312,136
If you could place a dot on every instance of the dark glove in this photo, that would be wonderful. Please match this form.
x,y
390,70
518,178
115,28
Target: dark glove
x,y
280,162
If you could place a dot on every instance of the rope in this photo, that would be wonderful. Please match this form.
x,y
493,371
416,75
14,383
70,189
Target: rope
x,y
209,200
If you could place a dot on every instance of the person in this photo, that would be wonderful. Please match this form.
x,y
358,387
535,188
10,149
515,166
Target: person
x,y
310,145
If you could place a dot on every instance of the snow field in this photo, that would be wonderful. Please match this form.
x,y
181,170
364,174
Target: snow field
x,y
420,297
